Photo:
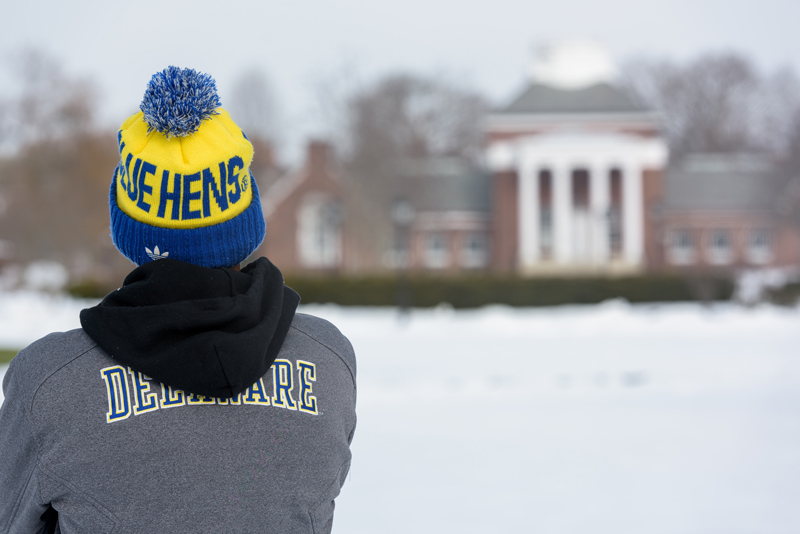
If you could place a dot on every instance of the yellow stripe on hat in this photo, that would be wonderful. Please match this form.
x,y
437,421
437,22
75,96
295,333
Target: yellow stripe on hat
x,y
184,182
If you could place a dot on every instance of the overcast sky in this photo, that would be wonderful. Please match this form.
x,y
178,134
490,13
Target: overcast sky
x,y
485,43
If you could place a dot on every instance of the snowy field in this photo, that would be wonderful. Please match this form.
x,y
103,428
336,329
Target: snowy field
x,y
578,419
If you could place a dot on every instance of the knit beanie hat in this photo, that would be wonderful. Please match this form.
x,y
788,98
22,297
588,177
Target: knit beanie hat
x,y
183,187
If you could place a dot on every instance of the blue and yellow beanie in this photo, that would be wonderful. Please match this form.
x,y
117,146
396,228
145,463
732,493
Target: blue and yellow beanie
x,y
183,187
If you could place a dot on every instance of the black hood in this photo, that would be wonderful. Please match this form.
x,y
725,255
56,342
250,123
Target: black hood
x,y
212,332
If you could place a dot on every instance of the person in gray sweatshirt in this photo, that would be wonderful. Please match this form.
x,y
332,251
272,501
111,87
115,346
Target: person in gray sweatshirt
x,y
194,398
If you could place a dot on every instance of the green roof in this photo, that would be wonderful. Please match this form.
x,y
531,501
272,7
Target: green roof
x,y
599,98
736,181
446,184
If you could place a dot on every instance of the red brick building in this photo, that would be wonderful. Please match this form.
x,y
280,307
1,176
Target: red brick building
x,y
448,204
577,182
724,211
303,210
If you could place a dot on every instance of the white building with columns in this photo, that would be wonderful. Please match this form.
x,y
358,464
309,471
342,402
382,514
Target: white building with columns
x,y
577,168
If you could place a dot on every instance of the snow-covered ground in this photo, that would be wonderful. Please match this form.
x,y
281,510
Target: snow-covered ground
x,y
577,419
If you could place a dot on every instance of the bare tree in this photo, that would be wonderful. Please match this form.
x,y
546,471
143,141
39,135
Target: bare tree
x,y
788,203
47,104
776,115
412,116
253,105
57,168
386,123
716,103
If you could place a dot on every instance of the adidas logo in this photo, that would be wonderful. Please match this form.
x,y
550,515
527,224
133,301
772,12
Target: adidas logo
x,y
156,254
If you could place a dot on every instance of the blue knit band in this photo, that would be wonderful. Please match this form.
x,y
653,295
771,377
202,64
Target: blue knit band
x,y
220,245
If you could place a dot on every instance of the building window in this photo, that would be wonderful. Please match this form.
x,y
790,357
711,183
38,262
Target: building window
x,y
580,189
759,246
680,247
615,231
546,213
615,213
437,251
546,232
720,249
474,252
319,236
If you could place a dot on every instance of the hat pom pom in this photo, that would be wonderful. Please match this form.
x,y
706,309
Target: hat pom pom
x,y
177,101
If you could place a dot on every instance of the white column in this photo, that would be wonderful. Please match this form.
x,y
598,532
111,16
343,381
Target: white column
x,y
562,212
528,215
632,213
600,202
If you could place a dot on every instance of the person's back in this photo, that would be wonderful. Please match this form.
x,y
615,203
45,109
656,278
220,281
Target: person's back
x,y
194,398
270,460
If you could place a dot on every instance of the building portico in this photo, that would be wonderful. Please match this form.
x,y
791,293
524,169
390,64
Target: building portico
x,y
570,213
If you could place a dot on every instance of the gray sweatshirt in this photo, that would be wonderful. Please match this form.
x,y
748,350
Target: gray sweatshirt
x,y
112,450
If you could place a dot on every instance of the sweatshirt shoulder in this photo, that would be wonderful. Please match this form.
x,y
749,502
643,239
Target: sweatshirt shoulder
x,y
36,362
327,335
